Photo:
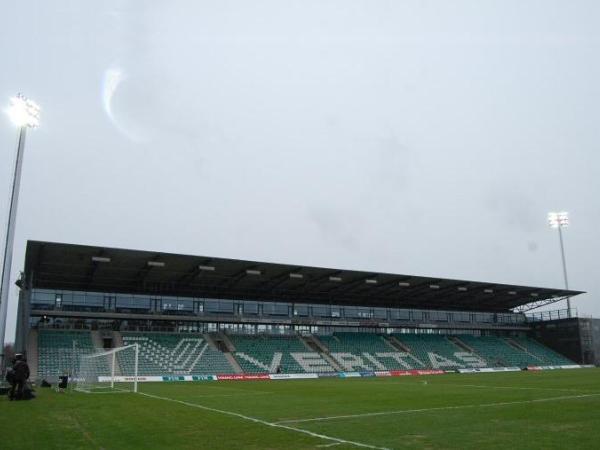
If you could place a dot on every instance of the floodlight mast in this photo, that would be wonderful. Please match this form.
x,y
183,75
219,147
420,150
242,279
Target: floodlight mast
x,y
560,220
24,113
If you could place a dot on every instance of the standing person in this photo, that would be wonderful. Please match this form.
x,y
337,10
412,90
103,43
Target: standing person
x,y
10,378
21,374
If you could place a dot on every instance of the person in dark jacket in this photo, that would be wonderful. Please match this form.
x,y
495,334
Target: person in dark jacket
x,y
10,378
20,376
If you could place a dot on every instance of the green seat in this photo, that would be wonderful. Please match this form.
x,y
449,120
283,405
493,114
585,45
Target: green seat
x,y
59,352
262,349
167,354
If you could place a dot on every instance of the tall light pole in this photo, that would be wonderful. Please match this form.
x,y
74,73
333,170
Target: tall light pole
x,y
24,113
560,220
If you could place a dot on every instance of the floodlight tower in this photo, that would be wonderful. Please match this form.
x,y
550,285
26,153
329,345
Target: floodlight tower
x,y
560,220
24,113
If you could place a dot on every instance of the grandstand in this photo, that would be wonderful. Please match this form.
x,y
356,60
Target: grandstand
x,y
197,316
60,351
166,354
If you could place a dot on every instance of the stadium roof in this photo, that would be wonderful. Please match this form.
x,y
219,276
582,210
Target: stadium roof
x,y
51,265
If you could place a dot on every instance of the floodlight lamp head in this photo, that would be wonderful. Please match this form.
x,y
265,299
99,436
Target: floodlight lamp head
x,y
24,112
558,219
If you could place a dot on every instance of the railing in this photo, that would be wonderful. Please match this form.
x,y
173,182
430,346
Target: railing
x,y
544,316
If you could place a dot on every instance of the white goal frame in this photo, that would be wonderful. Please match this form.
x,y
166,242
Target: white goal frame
x,y
86,379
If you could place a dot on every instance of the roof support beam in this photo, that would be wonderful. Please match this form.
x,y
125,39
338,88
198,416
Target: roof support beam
x,y
538,304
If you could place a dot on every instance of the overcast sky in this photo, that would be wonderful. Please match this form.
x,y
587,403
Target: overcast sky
x,y
416,137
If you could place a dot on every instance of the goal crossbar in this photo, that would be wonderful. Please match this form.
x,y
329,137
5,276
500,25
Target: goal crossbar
x,y
88,370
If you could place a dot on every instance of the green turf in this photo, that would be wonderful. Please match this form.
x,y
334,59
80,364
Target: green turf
x,y
463,419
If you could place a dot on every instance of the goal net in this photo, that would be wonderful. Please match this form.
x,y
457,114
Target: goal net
x,y
113,370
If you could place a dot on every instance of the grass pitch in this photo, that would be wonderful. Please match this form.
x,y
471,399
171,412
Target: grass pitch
x,y
523,410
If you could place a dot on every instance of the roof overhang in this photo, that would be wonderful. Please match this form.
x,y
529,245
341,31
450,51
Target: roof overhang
x,y
50,265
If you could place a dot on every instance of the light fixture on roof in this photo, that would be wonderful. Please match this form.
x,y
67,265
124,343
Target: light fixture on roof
x,y
512,292
434,286
462,288
253,272
534,294
560,220
335,279
371,281
101,259
297,276
488,291
207,268
404,284
156,264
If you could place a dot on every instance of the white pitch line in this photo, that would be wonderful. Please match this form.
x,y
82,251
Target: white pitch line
x,y
512,387
269,424
440,408
232,395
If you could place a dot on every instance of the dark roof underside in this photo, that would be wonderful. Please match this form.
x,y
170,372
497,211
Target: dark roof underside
x,y
72,267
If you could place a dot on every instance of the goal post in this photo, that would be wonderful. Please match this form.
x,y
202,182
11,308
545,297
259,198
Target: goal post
x,y
114,370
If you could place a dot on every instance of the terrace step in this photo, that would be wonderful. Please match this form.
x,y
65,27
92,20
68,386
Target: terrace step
x,y
324,352
97,341
455,340
209,340
518,346
117,339
233,362
222,337
396,344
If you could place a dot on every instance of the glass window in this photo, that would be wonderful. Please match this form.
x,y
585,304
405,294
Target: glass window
x,y
301,310
211,306
131,302
275,309
42,297
365,313
438,316
93,299
380,313
417,315
251,307
400,314
226,306
320,311
461,316
351,312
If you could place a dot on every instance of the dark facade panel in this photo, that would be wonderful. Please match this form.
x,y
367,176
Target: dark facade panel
x,y
578,339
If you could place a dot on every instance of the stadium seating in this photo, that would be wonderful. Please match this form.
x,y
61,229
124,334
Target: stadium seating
x,y
172,354
521,352
59,352
436,351
545,355
261,353
366,351
498,352
163,354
